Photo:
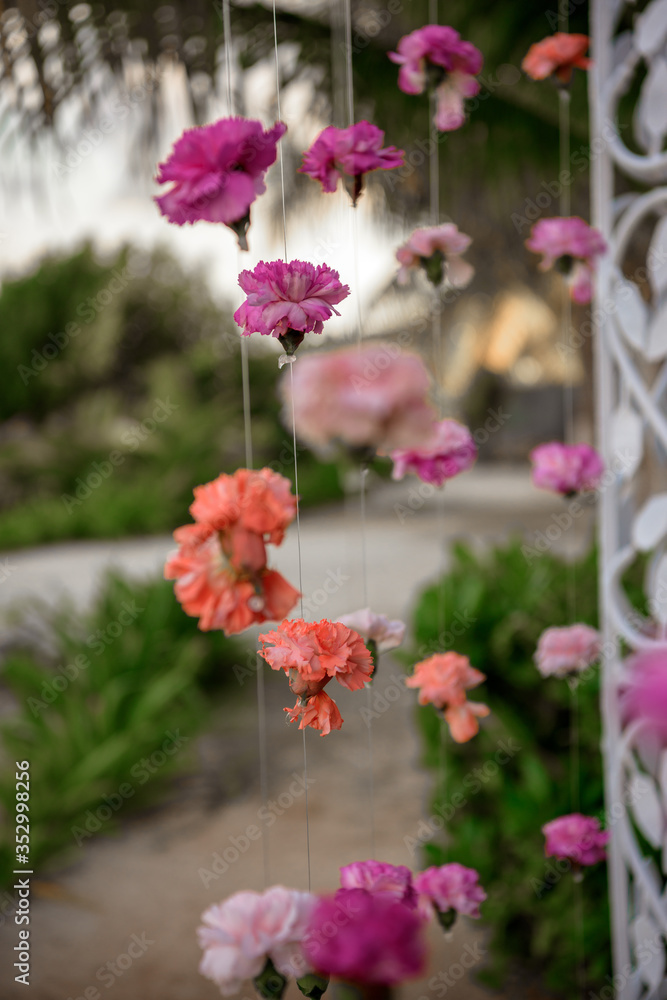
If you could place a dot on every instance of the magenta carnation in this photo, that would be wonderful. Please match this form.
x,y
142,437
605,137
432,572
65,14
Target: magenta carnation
x,y
644,697
218,171
436,55
562,651
575,838
349,152
452,887
374,397
365,938
451,450
566,468
283,297
381,879
574,247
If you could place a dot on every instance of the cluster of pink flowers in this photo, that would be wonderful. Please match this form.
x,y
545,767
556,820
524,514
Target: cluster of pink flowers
x,y
436,57
576,838
566,468
312,654
374,397
450,451
443,680
568,650
557,56
217,171
288,300
437,249
574,247
220,567
349,153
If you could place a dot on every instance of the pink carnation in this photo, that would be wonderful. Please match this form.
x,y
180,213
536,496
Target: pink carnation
x,y
349,152
575,838
452,887
558,55
562,651
436,55
288,297
443,680
364,937
379,629
566,468
452,451
644,697
218,171
240,934
437,249
381,879
370,398
573,246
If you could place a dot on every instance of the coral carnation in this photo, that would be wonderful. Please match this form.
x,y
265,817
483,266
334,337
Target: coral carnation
x,y
259,501
217,172
443,680
452,887
451,450
375,939
240,934
566,468
438,250
349,152
562,651
575,838
318,651
318,711
574,247
558,55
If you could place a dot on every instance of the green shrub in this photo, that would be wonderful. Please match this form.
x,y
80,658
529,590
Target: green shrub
x,y
109,691
502,603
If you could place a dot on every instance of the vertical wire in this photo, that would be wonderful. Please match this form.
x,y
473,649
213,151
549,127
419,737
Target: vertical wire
x,y
227,29
280,145
305,783
348,62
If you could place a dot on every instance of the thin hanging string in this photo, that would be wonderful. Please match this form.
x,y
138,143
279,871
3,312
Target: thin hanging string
x,y
227,30
280,145
348,62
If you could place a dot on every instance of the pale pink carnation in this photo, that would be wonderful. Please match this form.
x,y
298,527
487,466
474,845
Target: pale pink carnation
x,y
575,838
566,468
381,879
385,633
644,696
574,247
436,55
218,171
448,244
452,450
282,297
351,152
568,650
371,398
452,887
240,934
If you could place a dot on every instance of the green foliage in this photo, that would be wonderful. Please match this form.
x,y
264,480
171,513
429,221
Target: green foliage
x,y
102,712
497,605
125,393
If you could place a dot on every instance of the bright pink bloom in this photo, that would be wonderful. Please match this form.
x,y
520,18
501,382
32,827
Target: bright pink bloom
x,y
452,887
240,934
576,838
574,247
644,697
438,250
562,651
566,468
381,879
351,152
556,56
374,397
379,629
209,588
283,297
452,450
374,939
435,55
318,711
218,171
443,680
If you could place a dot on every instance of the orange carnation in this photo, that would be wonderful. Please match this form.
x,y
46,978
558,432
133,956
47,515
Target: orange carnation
x,y
556,56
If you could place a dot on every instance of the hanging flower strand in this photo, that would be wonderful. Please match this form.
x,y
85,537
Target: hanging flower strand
x,y
450,450
349,153
436,58
573,247
437,249
556,57
217,172
288,300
